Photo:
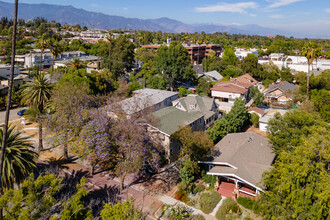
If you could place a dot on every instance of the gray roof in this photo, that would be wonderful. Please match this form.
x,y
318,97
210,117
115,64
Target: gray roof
x,y
170,119
144,98
265,118
283,86
201,104
214,75
250,153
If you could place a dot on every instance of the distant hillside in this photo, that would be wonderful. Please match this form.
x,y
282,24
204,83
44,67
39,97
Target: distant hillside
x,y
72,15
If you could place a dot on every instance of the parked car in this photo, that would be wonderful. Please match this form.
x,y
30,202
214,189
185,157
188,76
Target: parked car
x,y
21,113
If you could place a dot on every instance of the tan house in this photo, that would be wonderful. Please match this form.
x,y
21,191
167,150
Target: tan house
x,y
276,93
196,111
239,162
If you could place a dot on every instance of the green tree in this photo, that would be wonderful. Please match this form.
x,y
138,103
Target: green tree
x,y
194,144
255,119
298,185
74,208
19,158
234,121
174,62
229,56
257,96
232,71
203,87
188,170
36,94
321,100
33,200
121,210
286,132
286,75
118,57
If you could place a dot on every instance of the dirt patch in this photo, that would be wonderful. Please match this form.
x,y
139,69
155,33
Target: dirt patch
x,y
257,131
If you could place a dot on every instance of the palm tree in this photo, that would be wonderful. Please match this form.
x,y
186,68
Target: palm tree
x,y
56,48
10,89
36,94
19,158
309,51
42,41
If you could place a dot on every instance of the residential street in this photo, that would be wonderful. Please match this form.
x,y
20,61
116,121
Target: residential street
x,y
12,115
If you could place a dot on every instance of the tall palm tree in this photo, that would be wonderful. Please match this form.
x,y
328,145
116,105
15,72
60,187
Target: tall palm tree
x,y
76,63
309,51
36,94
10,89
56,48
42,41
19,158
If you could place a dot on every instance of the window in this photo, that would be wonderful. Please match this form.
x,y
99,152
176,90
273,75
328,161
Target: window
x,y
193,124
200,121
192,107
179,105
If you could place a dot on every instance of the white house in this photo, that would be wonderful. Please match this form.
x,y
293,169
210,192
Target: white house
x,y
5,71
242,53
226,92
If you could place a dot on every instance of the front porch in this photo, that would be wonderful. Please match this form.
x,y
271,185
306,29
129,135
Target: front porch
x,y
227,187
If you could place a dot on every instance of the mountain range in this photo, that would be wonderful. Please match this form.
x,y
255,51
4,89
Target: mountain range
x,y
71,15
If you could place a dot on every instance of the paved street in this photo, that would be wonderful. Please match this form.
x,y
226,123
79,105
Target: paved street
x,y
12,115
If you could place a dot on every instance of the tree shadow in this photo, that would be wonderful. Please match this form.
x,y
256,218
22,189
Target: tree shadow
x,y
60,162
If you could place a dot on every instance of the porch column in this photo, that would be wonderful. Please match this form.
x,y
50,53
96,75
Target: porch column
x,y
257,191
236,186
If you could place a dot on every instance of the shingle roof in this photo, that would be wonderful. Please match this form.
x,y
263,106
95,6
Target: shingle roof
x,y
250,153
245,80
214,75
144,98
283,86
228,86
171,119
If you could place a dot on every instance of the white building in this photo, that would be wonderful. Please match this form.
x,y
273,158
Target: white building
x,y
5,71
296,63
242,53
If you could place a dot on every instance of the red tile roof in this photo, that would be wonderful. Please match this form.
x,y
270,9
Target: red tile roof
x,y
257,110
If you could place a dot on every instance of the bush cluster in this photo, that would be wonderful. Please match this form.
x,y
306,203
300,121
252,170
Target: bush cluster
x,y
228,206
245,202
208,201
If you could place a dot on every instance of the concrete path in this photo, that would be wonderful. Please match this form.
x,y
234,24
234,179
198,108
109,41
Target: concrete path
x,y
214,212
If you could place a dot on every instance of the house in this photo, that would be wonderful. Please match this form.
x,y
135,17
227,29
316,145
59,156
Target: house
x,y
256,110
197,112
213,75
276,93
143,99
226,92
240,160
264,120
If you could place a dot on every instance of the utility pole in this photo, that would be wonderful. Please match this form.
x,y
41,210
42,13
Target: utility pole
x,y
10,85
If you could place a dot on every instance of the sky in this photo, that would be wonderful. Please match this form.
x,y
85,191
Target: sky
x,y
288,15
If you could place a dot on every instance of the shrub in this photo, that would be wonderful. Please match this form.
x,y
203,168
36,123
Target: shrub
x,y
179,211
255,120
208,201
245,202
199,188
208,178
228,206
181,195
